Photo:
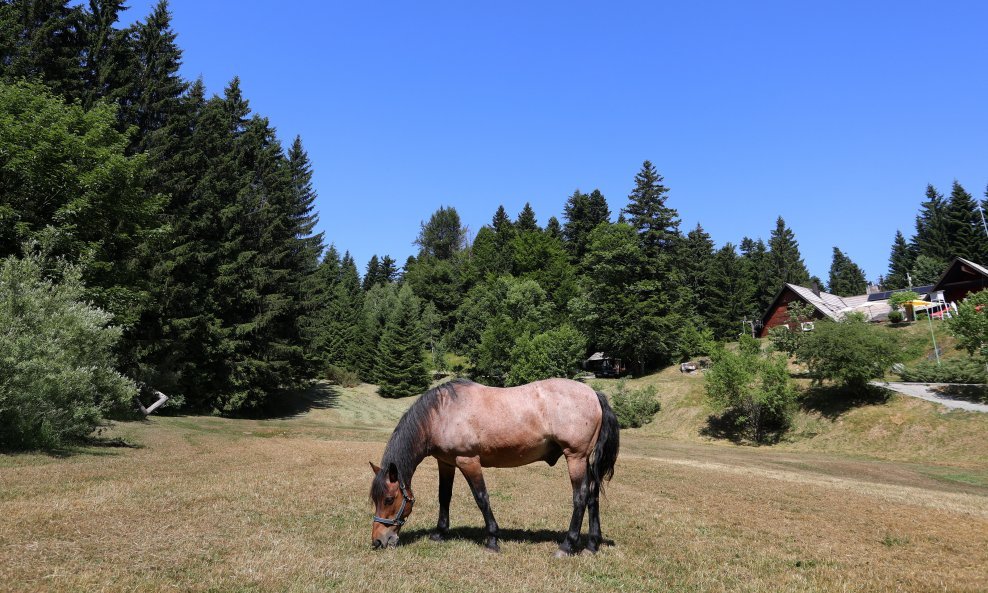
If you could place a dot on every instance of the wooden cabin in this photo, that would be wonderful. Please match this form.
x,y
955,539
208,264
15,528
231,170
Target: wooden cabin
x,y
961,278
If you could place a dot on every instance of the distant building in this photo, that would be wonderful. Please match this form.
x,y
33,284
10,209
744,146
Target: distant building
x,y
961,278
874,306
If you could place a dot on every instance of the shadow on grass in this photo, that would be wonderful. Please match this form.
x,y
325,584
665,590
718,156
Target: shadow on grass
x,y
291,404
977,394
726,426
832,401
479,535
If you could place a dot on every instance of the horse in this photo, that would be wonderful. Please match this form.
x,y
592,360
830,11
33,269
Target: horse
x,y
469,426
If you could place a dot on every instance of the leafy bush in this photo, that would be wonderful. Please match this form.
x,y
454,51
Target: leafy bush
x,y
951,370
787,337
555,353
970,325
57,377
898,298
850,352
634,408
895,316
343,377
752,391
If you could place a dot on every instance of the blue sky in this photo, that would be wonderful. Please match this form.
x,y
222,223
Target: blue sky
x,y
834,115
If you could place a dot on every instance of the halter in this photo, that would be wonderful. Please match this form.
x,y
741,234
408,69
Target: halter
x,y
405,499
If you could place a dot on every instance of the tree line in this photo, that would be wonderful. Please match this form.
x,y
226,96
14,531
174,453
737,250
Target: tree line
x,y
192,225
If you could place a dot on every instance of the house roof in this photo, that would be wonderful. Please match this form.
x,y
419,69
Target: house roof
x,y
836,307
959,261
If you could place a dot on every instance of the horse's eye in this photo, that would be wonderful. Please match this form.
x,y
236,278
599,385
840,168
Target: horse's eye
x,y
389,500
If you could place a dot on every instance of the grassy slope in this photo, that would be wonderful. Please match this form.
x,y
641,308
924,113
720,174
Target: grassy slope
x,y
210,504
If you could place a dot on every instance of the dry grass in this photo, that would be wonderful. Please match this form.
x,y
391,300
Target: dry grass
x,y
210,504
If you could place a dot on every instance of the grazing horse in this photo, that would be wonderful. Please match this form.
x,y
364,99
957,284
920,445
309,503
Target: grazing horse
x,y
470,426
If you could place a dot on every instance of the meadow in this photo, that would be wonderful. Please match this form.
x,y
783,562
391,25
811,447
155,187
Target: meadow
x,y
212,504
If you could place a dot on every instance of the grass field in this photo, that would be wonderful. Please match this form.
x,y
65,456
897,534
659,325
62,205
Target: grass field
x,y
211,504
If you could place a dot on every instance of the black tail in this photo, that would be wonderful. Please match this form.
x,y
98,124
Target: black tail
x,y
606,452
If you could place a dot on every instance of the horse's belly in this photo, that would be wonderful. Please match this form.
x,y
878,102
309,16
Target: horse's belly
x,y
522,455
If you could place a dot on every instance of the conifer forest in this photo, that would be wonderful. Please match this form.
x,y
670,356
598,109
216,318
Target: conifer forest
x,y
182,216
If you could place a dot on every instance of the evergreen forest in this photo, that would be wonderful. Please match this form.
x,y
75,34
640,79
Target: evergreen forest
x,y
191,225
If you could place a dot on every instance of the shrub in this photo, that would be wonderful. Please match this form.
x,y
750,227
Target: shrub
x,y
898,298
752,391
343,377
951,370
555,353
634,408
895,316
787,337
970,325
57,377
850,352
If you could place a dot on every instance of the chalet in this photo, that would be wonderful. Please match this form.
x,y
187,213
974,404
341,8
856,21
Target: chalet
x,y
961,278
874,306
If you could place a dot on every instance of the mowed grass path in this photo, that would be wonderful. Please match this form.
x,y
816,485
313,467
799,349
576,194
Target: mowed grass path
x,y
209,504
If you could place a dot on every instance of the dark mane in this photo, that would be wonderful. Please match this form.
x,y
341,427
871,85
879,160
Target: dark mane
x,y
409,442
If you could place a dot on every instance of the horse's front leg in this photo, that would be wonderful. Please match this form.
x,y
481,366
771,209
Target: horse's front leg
x,y
446,474
472,471
578,478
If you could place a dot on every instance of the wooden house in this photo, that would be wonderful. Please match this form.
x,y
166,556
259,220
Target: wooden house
x,y
961,278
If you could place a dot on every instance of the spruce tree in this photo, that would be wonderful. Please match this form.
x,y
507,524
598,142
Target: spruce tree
x,y
400,366
784,260
443,236
343,322
526,221
107,55
846,278
553,228
371,277
932,238
697,255
963,225
657,224
731,290
43,40
583,213
758,270
900,263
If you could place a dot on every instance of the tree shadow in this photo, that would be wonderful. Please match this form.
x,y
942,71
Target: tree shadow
x,y
977,394
479,535
726,426
293,403
833,401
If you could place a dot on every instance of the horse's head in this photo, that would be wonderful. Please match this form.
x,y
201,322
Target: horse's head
x,y
393,502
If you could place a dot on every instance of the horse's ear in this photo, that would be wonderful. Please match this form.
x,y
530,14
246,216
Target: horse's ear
x,y
392,473
374,468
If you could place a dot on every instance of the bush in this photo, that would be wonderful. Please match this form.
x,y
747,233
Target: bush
x,y
343,377
898,298
951,370
970,325
634,408
57,377
895,316
787,337
850,352
752,391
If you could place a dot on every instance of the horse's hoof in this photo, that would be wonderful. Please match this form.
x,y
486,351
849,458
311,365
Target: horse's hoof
x,y
588,552
437,537
495,549
561,554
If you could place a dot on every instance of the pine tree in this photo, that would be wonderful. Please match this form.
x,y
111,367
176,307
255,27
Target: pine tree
x,y
501,223
785,262
443,236
526,221
43,40
900,263
343,324
731,292
107,55
388,270
697,255
553,228
932,238
372,276
846,278
758,270
963,225
583,213
657,224
400,368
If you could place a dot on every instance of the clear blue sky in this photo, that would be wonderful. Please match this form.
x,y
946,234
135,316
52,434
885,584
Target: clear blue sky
x,y
834,115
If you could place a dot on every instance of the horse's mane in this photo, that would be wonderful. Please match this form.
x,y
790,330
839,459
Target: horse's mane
x,y
410,440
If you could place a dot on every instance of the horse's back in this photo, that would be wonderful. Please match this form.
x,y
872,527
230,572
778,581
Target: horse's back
x,y
518,425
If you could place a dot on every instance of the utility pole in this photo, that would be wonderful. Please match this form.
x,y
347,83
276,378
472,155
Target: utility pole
x,y
982,212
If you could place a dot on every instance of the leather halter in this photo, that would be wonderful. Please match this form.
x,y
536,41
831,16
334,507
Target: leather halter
x,y
405,499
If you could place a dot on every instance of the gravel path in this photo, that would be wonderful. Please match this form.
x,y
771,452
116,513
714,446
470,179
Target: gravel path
x,y
929,392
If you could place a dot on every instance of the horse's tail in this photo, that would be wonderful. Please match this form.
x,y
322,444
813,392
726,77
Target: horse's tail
x,y
608,442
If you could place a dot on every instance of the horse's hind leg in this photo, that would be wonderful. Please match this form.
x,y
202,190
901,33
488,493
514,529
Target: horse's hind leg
x,y
472,471
578,478
594,537
446,474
